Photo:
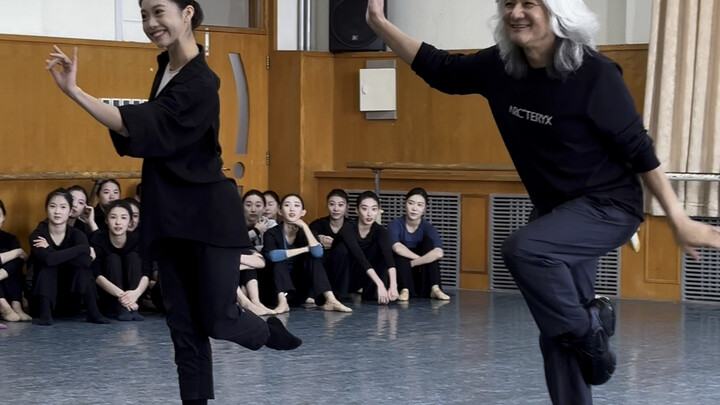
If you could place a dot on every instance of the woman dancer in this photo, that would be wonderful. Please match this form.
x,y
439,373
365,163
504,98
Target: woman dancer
x,y
198,251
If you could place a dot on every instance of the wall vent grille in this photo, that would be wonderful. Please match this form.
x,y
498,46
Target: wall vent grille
x,y
510,212
701,278
443,212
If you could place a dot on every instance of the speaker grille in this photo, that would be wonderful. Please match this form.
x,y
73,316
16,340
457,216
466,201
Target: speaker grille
x,y
348,29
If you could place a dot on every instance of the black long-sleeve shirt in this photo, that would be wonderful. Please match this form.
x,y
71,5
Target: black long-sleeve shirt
x,y
100,241
581,136
357,246
73,250
185,193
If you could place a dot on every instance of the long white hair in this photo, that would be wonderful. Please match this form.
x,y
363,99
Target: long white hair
x,y
574,26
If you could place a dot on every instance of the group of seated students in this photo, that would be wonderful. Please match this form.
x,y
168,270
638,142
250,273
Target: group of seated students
x,y
323,263
84,256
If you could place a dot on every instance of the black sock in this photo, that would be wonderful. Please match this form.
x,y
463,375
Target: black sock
x,y
280,338
94,315
123,314
45,312
136,316
194,401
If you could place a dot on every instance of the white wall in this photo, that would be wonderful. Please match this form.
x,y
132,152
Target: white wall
x,y
93,19
115,20
449,24
466,24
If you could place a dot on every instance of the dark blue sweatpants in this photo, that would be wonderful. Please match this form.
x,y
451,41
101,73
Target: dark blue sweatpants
x,y
554,263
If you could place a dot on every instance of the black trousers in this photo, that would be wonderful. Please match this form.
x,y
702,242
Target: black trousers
x,y
123,271
199,283
63,286
11,287
348,276
554,263
247,275
419,279
304,278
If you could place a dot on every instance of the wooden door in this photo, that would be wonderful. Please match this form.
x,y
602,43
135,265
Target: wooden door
x,y
239,58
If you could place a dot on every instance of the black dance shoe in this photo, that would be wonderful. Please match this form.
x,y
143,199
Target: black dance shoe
x,y
597,361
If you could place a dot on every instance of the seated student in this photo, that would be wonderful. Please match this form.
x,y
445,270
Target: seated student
x,y
138,191
328,226
272,205
118,268
12,261
135,219
248,295
254,208
295,263
82,216
418,249
107,192
60,257
362,256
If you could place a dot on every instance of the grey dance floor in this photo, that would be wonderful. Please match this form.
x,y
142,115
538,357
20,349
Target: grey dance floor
x,y
480,348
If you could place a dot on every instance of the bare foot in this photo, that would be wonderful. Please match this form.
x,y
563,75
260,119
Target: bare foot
x,y
282,308
259,310
335,306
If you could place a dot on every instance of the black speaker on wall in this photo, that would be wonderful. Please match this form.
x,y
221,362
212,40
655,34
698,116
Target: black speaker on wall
x,y
348,30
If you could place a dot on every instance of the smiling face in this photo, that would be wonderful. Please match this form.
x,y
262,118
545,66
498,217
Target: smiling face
x,y
58,210
292,209
118,220
528,25
337,207
165,23
368,210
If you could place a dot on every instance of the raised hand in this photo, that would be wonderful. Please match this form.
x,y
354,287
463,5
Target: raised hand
x,y
375,11
66,76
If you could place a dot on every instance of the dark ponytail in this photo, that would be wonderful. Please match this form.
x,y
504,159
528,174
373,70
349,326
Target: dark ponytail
x,y
199,15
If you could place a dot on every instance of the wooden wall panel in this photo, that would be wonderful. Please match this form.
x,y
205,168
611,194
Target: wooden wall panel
x,y
655,271
284,121
316,149
253,52
43,131
474,245
431,127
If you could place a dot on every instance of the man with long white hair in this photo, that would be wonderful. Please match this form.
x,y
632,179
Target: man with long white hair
x,y
580,148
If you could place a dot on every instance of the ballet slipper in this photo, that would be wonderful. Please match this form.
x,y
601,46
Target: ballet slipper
x,y
18,310
10,315
436,293
335,306
404,295
3,326
310,301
